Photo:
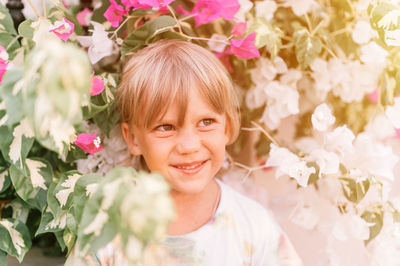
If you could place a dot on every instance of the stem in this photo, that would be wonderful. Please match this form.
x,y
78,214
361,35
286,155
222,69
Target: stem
x,y
316,28
343,30
204,39
186,18
260,128
177,21
249,170
329,50
120,26
33,8
308,22
12,42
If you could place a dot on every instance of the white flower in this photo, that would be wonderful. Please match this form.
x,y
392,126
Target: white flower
x,y
282,101
300,7
393,113
266,70
266,9
215,43
328,162
340,140
99,44
362,32
290,164
350,226
41,31
291,77
380,127
321,76
256,97
373,54
392,37
245,6
322,117
305,216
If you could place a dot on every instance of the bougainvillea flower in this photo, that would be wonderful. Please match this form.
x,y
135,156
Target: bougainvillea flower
x,y
63,29
398,133
205,11
89,143
373,96
245,47
3,61
97,86
84,17
115,13
224,58
239,29
99,43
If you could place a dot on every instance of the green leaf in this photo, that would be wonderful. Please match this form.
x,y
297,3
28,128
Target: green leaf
x,y
92,110
81,193
64,190
69,239
354,191
16,243
32,183
375,218
266,35
3,258
8,34
315,176
25,29
142,35
307,47
12,99
4,180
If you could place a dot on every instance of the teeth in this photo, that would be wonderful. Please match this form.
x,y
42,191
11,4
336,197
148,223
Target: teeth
x,y
189,167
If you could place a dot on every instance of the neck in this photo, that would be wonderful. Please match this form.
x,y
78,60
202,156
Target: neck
x,y
193,210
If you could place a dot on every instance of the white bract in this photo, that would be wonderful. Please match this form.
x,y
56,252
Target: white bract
x,y
322,117
340,140
300,7
216,44
392,37
245,6
266,9
99,44
328,162
290,164
362,32
393,113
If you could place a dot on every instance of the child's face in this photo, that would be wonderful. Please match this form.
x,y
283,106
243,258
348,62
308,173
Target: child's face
x,y
189,155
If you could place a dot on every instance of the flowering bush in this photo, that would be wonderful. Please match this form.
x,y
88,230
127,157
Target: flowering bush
x,y
327,69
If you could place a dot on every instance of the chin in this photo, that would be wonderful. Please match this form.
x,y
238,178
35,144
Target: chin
x,y
191,187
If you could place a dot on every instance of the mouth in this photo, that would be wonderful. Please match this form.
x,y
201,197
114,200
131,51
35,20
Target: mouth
x,y
190,168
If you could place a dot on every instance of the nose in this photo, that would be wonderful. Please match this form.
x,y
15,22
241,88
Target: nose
x,y
188,142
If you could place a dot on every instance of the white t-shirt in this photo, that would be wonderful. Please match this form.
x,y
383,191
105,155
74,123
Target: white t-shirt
x,y
242,232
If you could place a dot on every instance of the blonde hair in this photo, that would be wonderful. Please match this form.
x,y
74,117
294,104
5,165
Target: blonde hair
x,y
166,70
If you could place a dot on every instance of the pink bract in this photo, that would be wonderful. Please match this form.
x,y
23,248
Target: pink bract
x,y
3,68
89,143
84,16
373,96
224,58
245,47
398,132
63,29
239,29
97,86
115,13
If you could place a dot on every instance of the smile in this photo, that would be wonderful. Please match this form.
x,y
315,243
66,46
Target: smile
x,y
191,168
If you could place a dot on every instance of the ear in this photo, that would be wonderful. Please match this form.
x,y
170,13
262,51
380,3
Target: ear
x,y
130,139
227,130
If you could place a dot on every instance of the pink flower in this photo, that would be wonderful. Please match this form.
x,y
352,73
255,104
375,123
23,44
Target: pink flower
x,y
89,143
373,96
114,13
398,133
63,29
3,61
84,17
239,29
224,58
205,11
97,86
146,4
245,47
